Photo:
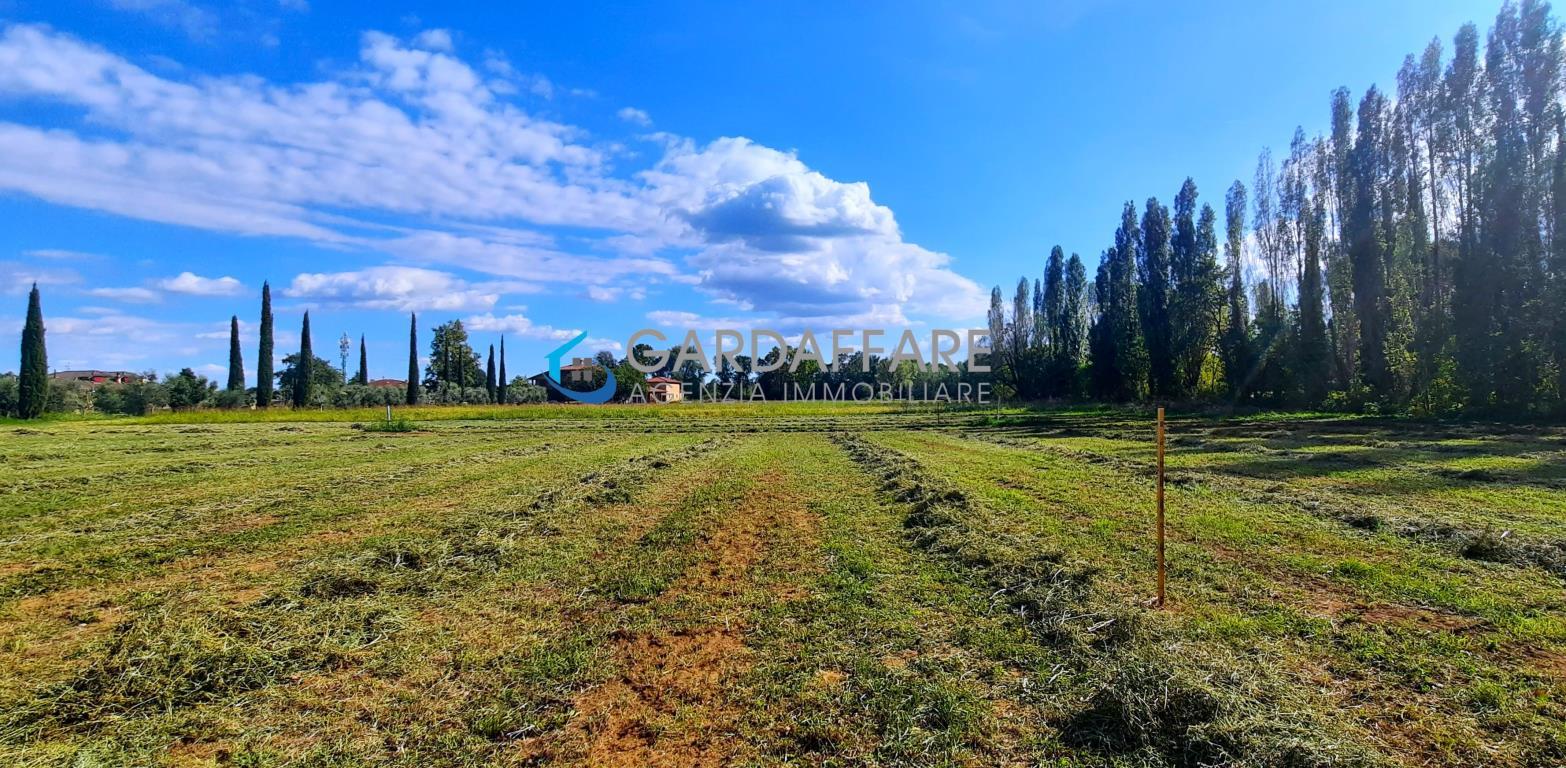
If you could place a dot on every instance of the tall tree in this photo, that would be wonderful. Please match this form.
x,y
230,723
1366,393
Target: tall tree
x,y
304,383
503,384
413,360
452,359
363,377
264,353
1312,354
1235,348
1072,328
1197,298
1366,245
489,374
33,386
236,361
1120,362
1050,318
1153,259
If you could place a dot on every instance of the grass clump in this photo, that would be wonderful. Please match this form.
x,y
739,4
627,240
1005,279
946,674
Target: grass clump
x,y
389,425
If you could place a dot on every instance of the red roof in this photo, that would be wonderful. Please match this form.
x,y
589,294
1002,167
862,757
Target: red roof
x,y
662,380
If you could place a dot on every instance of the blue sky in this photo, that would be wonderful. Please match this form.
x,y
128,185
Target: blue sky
x,y
559,167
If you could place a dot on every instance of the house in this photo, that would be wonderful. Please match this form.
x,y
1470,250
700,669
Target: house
x,y
93,378
580,371
389,384
662,389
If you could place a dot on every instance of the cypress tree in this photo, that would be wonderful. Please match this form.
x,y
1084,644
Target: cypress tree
x,y
236,362
364,363
264,354
489,374
33,387
303,373
413,359
503,385
1196,293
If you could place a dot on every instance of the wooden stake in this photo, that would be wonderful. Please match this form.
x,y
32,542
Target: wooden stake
x,y
1160,601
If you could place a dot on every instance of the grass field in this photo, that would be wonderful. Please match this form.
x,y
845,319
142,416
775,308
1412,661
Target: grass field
x,y
812,585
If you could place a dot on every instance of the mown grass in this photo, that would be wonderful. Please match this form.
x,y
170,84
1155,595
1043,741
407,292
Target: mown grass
x,y
788,584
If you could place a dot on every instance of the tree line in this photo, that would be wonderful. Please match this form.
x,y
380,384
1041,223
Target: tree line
x,y
1414,258
453,376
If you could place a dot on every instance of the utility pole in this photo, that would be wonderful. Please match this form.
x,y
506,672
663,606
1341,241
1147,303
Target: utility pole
x,y
343,344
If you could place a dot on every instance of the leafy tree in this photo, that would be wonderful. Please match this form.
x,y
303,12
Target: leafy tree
x,y
33,379
186,390
363,377
452,359
236,361
264,354
319,389
7,394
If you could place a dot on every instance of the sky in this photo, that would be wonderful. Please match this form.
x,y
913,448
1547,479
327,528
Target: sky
x,y
542,169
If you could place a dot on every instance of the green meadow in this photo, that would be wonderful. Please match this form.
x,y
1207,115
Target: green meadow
x,y
783,584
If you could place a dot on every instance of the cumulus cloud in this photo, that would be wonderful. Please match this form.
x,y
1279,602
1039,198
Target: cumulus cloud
x,y
192,284
414,134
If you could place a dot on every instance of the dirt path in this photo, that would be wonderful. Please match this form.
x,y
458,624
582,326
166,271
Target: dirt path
x,y
672,703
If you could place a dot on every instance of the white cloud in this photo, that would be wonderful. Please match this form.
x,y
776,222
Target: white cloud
x,y
59,254
434,40
517,325
19,277
634,116
192,284
406,289
414,134
133,295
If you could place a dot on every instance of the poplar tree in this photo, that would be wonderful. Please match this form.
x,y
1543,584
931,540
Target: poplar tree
x,y
1153,298
33,384
1366,247
264,353
304,380
1312,354
1072,329
236,362
413,359
1235,347
1051,306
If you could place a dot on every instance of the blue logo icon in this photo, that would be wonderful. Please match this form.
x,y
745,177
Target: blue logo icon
x,y
596,397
